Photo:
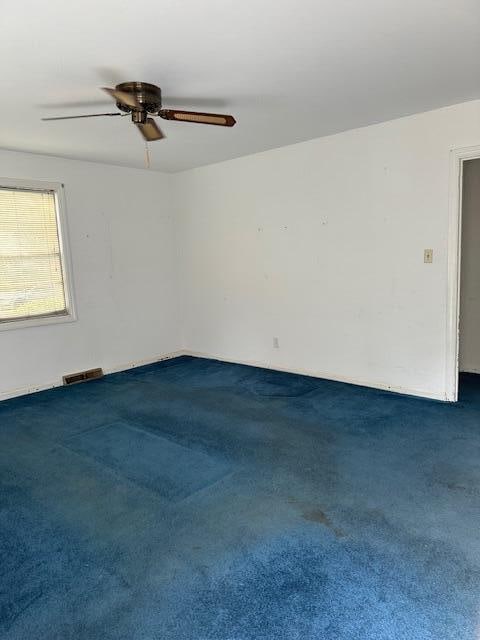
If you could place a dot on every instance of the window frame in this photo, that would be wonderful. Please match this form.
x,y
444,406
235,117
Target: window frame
x,y
58,190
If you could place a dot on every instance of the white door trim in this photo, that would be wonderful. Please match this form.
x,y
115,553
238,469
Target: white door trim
x,y
457,158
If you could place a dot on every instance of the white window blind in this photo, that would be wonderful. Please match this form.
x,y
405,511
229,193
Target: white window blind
x,y
31,273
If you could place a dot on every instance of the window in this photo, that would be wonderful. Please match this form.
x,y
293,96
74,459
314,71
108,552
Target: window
x,y
34,275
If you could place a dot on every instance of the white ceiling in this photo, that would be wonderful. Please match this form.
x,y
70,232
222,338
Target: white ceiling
x,y
288,70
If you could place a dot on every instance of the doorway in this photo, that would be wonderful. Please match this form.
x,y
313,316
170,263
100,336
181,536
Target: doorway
x,y
464,177
469,316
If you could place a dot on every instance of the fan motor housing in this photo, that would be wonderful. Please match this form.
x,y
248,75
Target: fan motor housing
x,y
148,95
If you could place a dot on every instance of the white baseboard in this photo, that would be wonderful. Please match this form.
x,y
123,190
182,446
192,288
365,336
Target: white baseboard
x,y
421,393
143,363
470,370
251,363
22,391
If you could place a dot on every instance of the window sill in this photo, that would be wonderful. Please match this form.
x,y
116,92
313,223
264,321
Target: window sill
x,y
39,321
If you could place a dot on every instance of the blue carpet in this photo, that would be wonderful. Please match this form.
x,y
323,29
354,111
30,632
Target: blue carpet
x,y
196,500
144,457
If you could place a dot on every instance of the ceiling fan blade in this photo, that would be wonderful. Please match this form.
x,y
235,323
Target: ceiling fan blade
x,y
150,130
124,97
78,104
91,115
196,116
111,75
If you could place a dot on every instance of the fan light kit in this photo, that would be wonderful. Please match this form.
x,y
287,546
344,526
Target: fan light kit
x,y
140,100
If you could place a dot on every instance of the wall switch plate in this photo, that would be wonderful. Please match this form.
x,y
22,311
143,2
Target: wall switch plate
x,y
428,256
276,344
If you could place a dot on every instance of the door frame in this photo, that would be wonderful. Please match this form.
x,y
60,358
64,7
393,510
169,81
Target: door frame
x,y
454,261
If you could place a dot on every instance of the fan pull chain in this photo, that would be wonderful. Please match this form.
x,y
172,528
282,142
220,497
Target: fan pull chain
x,y
147,156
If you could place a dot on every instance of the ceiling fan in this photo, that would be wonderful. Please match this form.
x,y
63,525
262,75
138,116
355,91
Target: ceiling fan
x,y
139,99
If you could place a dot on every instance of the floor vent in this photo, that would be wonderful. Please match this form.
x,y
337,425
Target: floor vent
x,y
82,376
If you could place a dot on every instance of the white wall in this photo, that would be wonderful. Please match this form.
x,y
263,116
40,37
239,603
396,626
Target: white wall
x,y
321,244
470,273
122,246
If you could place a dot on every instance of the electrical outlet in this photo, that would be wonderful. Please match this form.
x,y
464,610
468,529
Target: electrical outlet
x,y
428,256
276,344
